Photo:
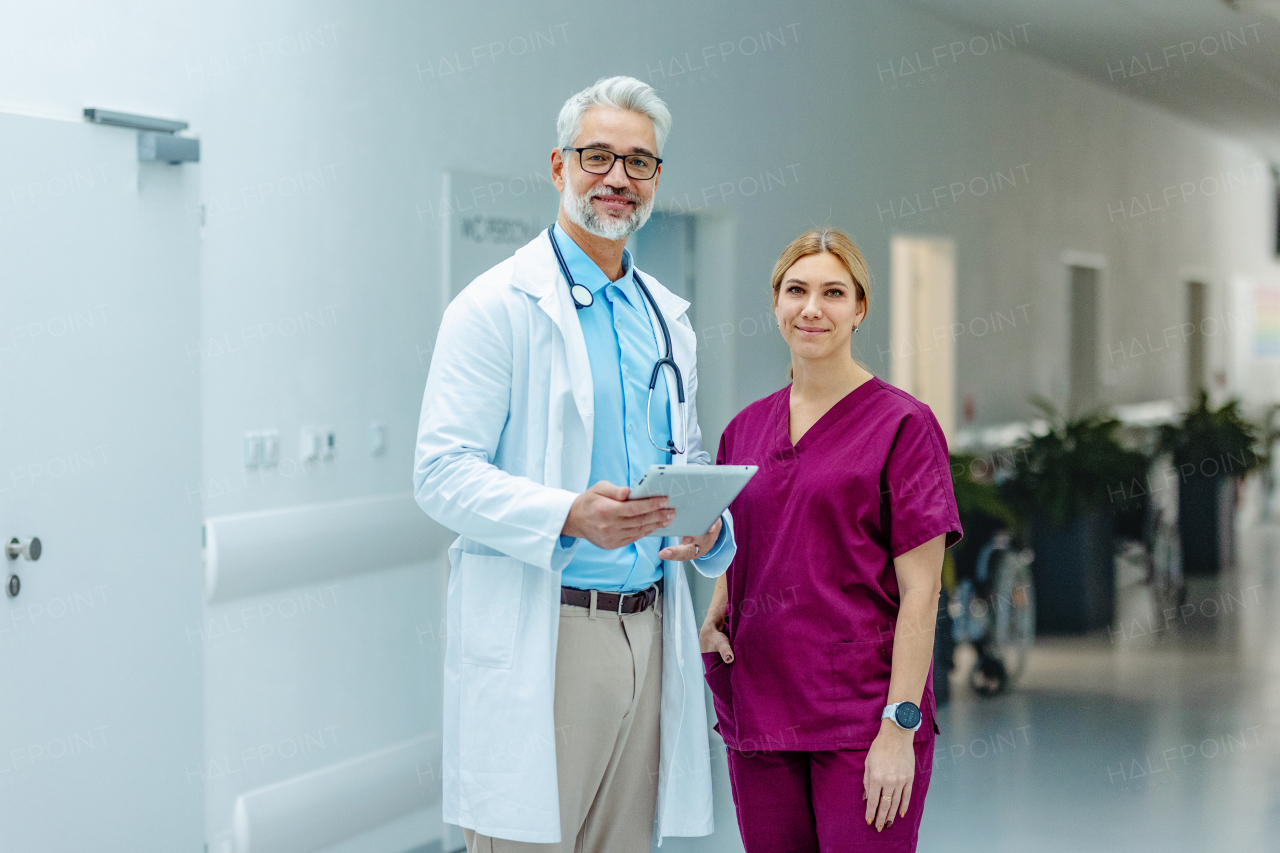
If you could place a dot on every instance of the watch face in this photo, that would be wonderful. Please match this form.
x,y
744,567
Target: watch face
x,y
907,715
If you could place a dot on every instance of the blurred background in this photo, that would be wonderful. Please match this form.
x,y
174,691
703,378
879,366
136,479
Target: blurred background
x,y
227,235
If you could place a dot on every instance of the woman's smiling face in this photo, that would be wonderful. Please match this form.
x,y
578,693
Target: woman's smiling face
x,y
818,306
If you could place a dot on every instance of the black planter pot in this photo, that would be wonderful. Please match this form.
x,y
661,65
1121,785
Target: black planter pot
x,y
1206,511
1074,573
944,649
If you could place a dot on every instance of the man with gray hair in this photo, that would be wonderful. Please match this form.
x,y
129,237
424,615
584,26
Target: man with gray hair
x,y
574,717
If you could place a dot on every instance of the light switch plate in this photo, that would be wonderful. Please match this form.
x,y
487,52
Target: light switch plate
x,y
309,451
252,449
377,438
270,447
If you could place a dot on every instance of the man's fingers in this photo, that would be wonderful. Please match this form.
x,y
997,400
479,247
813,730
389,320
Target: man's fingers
x,y
648,522
642,506
609,490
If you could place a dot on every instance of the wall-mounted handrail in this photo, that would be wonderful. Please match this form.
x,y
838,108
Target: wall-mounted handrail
x,y
317,809
252,553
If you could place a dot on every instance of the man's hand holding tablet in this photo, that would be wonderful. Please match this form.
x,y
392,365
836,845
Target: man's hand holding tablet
x,y
699,494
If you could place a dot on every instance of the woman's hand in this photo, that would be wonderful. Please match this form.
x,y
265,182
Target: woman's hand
x,y
888,774
712,637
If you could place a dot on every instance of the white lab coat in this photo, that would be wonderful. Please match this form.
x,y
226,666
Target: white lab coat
x,y
504,447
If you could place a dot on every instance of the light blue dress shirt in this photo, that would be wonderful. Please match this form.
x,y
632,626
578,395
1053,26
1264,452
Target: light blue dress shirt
x,y
622,346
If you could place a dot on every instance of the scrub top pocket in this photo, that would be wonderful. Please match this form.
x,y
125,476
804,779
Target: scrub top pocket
x,y
718,679
859,685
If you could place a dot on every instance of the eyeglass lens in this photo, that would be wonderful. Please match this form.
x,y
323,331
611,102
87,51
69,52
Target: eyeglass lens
x,y
598,161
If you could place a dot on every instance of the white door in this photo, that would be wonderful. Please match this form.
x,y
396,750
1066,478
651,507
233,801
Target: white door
x,y
100,703
922,314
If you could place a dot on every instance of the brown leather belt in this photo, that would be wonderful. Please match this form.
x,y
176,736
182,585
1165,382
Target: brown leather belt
x,y
610,602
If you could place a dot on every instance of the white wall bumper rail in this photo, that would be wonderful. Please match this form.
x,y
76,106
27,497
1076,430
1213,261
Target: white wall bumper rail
x,y
257,552
321,808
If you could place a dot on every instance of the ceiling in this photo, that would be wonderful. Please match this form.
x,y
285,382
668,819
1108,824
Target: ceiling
x,y
1191,50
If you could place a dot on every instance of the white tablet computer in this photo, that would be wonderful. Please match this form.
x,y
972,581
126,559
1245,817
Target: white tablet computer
x,y
698,493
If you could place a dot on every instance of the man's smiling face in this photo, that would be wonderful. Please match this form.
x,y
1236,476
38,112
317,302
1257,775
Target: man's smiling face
x,y
612,205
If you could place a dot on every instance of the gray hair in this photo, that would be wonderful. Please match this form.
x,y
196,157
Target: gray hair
x,y
625,93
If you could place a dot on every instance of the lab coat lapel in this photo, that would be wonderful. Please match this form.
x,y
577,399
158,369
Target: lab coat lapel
x,y
538,274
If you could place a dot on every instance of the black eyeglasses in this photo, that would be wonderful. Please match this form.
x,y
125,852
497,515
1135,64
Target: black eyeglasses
x,y
599,161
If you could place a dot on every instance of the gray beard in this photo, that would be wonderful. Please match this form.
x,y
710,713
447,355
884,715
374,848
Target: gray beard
x,y
582,214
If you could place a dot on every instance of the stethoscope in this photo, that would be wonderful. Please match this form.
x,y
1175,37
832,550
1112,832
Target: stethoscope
x,y
582,298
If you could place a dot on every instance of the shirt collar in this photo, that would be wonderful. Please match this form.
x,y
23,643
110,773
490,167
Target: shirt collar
x,y
585,271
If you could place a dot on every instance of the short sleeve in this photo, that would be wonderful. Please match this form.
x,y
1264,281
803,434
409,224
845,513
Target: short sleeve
x,y
917,499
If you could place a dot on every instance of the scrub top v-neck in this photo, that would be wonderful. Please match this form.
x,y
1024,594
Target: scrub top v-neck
x,y
813,596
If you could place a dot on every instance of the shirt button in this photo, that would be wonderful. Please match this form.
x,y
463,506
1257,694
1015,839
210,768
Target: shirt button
x,y
626,373
628,427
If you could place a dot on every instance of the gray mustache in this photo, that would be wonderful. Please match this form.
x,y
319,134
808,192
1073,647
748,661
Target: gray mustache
x,y
627,194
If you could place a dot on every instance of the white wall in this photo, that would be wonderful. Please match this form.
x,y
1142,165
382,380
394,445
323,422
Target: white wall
x,y
326,127
326,294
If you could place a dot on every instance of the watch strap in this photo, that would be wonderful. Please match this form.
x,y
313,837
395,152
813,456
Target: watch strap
x,y
891,713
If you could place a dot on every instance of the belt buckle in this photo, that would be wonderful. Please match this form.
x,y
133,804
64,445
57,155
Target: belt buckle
x,y
621,596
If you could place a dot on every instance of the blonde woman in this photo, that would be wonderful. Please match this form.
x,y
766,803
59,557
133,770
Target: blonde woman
x,y
818,642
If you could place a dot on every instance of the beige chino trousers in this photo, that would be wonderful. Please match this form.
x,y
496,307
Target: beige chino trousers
x,y
607,708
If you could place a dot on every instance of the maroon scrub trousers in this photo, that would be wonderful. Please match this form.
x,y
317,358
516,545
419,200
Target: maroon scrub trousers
x,y
813,601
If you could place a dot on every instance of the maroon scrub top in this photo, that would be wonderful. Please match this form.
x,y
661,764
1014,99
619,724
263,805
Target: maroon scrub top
x,y
813,596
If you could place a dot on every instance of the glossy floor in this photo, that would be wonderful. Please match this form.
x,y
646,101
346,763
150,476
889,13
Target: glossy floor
x,y
1162,735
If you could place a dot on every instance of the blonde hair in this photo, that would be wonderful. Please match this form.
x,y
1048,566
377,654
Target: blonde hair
x,y
832,241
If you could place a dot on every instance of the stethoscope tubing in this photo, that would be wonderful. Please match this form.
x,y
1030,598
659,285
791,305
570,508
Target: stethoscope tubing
x,y
579,302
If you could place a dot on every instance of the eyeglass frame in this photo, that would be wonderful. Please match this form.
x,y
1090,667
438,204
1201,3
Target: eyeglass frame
x,y
616,158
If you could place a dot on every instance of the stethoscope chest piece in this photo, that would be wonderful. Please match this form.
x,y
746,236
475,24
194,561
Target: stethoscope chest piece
x,y
581,295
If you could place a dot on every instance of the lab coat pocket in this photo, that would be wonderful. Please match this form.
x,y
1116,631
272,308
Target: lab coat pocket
x,y
491,588
717,675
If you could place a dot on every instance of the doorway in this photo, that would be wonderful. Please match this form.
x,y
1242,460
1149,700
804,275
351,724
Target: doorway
x,y
922,313
1197,302
1083,358
664,248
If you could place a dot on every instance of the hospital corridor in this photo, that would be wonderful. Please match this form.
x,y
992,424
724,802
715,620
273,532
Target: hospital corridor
x,y
720,427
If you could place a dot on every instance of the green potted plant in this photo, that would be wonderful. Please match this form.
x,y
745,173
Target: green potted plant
x,y
1070,485
1212,449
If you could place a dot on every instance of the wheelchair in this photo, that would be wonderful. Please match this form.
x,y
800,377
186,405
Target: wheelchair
x,y
993,606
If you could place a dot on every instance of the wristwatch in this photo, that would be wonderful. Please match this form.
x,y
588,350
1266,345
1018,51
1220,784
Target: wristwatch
x,y
905,714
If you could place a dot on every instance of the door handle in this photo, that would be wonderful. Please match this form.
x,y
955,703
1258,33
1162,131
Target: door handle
x,y
28,550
